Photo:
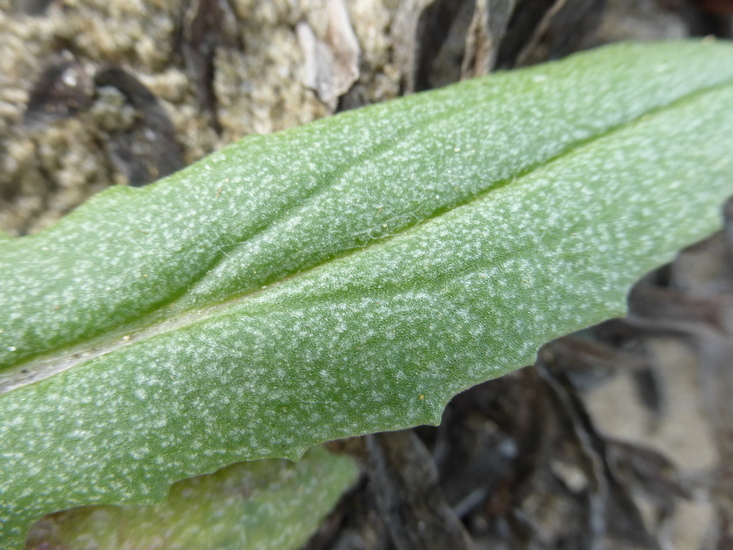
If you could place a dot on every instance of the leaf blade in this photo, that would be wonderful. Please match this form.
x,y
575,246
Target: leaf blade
x,y
261,505
380,338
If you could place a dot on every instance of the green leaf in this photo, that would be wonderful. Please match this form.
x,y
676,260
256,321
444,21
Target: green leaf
x,y
259,505
348,276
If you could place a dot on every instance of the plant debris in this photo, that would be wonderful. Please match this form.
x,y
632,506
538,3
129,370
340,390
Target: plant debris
x,y
146,149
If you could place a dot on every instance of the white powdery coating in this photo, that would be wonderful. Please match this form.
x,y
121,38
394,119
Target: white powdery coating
x,y
379,339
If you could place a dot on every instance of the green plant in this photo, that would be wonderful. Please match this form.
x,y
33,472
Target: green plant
x,y
348,276
257,505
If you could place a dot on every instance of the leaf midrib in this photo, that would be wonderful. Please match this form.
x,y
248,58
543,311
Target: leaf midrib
x,y
64,358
